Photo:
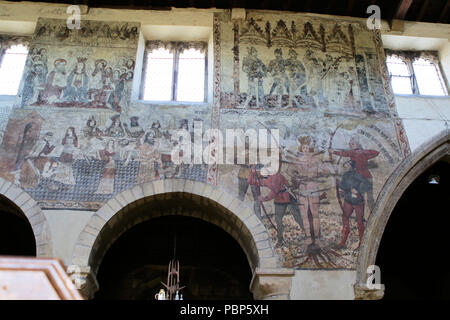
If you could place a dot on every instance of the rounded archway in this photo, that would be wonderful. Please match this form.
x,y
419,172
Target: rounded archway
x,y
168,198
212,264
20,210
16,234
415,240
404,175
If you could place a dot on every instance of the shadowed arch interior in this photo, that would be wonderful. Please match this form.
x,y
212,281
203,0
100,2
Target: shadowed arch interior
x,y
411,255
176,203
213,265
16,234
435,150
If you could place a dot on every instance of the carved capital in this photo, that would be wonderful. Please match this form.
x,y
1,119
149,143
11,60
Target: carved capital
x,y
84,280
272,284
364,293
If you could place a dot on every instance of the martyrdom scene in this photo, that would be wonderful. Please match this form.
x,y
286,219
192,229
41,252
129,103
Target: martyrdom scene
x,y
291,75
317,203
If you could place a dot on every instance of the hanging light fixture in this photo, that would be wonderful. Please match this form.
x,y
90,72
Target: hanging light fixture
x,y
173,279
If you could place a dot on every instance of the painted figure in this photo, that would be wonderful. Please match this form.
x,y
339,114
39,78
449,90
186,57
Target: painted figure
x,y
278,186
354,186
106,185
56,82
115,129
95,92
34,85
361,158
77,83
315,73
64,172
150,159
277,69
25,146
305,170
256,71
40,152
297,78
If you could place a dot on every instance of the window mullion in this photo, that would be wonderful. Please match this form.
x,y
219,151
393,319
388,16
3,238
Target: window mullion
x,y
175,74
414,86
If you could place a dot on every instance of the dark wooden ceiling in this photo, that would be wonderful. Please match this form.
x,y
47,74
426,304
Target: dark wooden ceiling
x,y
435,11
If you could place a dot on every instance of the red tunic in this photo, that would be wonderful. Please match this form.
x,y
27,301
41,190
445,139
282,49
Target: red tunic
x,y
276,183
361,158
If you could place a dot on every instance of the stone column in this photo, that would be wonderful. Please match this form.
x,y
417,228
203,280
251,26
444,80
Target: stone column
x,y
271,284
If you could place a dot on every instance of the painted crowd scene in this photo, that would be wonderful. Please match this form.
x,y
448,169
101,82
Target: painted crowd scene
x,y
77,82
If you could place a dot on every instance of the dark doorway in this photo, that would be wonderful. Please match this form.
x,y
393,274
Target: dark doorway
x,y
413,253
212,264
16,234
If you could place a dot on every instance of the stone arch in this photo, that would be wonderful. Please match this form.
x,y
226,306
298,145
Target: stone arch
x,y
33,213
116,216
410,168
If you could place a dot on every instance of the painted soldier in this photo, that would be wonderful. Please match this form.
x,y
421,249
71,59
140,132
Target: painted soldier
x,y
354,186
256,71
297,77
277,69
278,186
315,84
361,158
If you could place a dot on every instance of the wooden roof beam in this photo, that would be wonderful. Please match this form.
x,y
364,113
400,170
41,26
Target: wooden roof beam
x,y
350,5
444,12
423,9
402,9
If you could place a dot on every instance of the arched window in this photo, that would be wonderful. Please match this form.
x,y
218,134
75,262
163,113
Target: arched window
x,y
415,72
11,69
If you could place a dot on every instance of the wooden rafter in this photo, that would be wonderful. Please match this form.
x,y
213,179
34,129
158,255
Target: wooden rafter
x,y
422,11
444,12
308,6
350,5
402,9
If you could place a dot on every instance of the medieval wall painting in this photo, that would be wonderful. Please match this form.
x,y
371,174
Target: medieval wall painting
x,y
318,202
75,69
301,64
72,160
77,139
320,82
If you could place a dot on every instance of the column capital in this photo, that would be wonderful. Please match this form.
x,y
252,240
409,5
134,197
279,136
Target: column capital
x,y
84,279
272,283
362,292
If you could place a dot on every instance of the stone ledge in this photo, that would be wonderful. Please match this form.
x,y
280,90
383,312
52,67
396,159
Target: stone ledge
x,y
272,283
364,293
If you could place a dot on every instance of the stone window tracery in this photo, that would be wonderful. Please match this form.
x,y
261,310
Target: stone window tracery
x,y
416,73
13,54
175,71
